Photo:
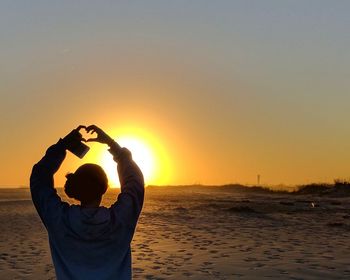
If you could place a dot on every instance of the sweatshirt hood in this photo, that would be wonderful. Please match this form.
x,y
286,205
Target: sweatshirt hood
x,y
89,223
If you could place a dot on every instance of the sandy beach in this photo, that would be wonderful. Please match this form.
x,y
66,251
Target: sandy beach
x,y
202,233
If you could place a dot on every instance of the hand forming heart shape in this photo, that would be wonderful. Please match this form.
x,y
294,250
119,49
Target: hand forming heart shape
x,y
102,137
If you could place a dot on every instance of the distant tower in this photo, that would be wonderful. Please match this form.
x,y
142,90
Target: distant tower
x,y
258,179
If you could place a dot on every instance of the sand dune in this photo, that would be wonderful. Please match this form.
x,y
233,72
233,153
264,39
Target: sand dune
x,y
203,233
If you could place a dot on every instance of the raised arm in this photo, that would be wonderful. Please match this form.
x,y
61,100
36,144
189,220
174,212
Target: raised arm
x,y
130,200
44,195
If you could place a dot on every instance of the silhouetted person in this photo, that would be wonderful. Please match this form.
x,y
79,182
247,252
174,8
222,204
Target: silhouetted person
x,y
88,241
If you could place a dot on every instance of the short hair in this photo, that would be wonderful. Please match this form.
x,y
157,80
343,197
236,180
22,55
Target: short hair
x,y
87,184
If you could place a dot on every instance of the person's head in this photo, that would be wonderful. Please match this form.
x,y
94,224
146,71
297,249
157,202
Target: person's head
x,y
87,184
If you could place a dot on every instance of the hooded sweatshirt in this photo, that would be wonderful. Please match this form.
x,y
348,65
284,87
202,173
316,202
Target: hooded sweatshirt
x,y
89,243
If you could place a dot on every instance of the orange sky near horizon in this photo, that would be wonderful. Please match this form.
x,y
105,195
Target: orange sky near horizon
x,y
217,92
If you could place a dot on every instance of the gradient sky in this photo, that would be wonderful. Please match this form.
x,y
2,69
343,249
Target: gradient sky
x,y
229,89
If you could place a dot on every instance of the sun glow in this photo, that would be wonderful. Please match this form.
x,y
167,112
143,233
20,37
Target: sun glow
x,y
148,156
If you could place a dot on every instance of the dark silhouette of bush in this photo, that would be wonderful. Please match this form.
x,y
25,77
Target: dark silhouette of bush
x,y
341,185
314,188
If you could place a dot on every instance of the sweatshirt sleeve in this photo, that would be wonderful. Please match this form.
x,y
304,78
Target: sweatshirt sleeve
x,y
130,200
45,198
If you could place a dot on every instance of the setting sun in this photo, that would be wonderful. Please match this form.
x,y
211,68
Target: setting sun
x,y
142,155
146,151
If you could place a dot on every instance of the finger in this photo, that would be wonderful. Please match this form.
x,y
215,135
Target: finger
x,y
92,140
95,129
91,127
80,127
